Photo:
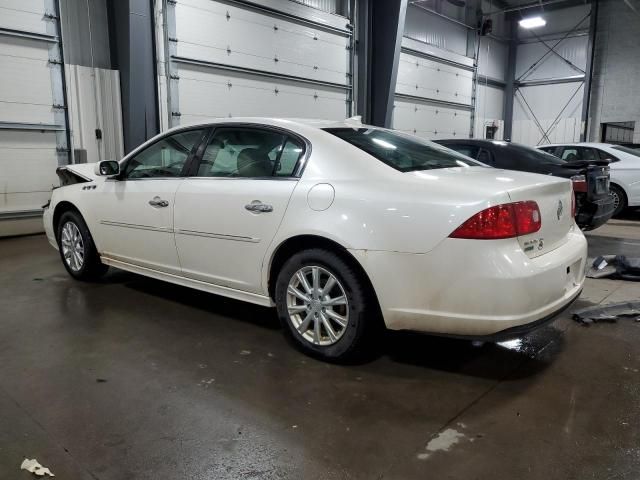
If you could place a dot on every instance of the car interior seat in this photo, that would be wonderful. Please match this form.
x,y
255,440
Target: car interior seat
x,y
252,162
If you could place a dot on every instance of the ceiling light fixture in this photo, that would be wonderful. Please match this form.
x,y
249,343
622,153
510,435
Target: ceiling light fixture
x,y
532,22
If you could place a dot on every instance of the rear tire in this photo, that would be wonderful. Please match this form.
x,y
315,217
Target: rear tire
x,y
77,250
619,199
327,318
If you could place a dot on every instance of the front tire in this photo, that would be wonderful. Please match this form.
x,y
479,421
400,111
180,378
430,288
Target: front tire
x,y
77,250
324,304
619,199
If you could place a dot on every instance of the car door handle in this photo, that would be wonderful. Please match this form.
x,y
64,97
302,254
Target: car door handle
x,y
158,202
258,207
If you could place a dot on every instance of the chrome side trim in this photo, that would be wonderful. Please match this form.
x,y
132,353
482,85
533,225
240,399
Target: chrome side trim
x,y
139,227
280,179
250,297
218,235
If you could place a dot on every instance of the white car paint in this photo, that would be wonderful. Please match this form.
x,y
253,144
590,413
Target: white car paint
x,y
396,225
624,173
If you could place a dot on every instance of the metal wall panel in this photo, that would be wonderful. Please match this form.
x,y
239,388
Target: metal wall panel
x,y
94,103
489,110
573,49
332,6
557,108
429,28
493,56
237,59
560,21
430,121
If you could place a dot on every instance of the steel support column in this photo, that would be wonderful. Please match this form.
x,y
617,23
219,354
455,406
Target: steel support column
x,y
510,88
132,28
379,37
593,25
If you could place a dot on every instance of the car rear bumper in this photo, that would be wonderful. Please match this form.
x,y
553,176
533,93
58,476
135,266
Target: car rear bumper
x,y
595,214
475,288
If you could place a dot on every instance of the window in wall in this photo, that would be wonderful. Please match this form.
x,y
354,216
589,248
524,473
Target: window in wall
x,y
618,132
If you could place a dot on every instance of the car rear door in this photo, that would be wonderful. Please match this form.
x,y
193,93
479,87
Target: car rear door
x,y
229,210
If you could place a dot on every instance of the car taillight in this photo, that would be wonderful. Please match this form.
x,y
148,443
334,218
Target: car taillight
x,y
501,221
579,183
573,205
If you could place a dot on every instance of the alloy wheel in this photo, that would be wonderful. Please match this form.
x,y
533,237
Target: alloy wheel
x,y
72,246
616,200
317,305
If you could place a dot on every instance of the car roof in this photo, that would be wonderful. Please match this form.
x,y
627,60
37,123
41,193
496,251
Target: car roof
x,y
472,141
280,122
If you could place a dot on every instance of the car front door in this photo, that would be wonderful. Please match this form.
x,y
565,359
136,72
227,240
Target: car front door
x,y
229,210
134,211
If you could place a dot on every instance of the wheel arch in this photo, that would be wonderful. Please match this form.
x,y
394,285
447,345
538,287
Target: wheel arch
x,y
60,208
623,191
298,243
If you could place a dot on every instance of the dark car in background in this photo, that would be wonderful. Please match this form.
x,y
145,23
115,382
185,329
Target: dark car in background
x,y
594,204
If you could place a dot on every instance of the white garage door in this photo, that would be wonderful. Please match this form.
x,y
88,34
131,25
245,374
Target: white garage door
x,y
433,96
242,59
33,139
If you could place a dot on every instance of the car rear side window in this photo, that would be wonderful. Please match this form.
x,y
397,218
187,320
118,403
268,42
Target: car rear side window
x,y
402,152
630,151
250,153
466,150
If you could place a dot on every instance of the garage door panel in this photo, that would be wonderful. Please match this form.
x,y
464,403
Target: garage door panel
x,y
22,152
426,78
251,39
25,80
25,15
206,92
30,85
429,121
20,202
28,163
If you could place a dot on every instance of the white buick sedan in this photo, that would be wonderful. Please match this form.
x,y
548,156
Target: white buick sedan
x,y
340,226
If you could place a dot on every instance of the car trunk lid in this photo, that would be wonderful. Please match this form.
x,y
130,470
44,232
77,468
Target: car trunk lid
x,y
554,200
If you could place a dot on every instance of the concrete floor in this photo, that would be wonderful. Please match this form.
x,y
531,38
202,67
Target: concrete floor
x,y
135,378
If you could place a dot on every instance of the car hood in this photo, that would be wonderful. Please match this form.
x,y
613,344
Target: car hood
x,y
78,173
84,170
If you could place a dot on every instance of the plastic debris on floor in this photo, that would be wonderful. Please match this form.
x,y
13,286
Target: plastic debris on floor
x,y
609,313
616,267
32,465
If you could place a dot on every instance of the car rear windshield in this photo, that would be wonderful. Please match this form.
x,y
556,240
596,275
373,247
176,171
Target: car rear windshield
x,y
402,152
630,151
534,155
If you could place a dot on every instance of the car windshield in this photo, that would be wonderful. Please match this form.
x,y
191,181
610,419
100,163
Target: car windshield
x,y
402,152
630,151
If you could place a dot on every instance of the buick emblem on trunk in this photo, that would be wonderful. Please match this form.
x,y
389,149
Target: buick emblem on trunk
x,y
560,209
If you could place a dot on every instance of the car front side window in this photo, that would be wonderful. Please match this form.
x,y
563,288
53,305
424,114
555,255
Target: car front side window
x,y
165,158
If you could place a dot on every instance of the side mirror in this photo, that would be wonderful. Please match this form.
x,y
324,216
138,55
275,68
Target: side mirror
x,y
108,168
